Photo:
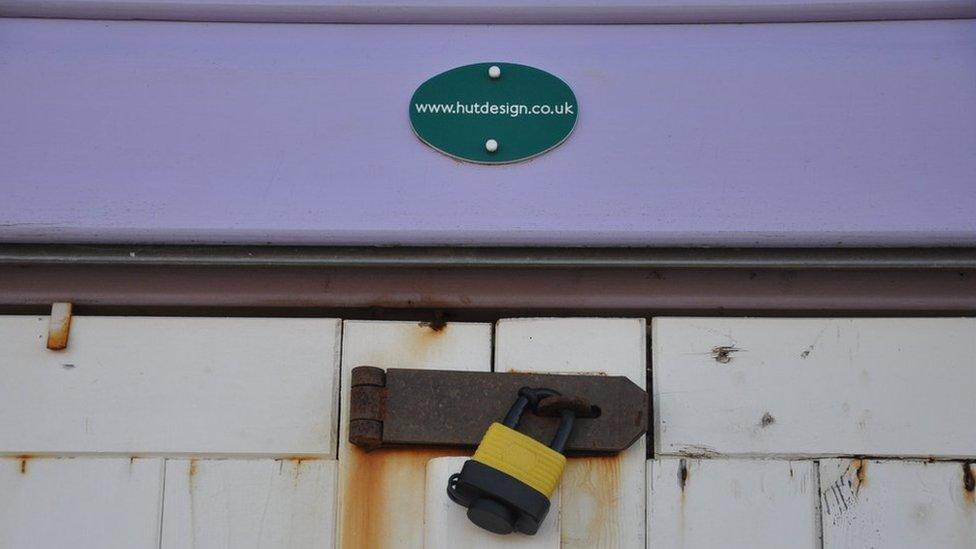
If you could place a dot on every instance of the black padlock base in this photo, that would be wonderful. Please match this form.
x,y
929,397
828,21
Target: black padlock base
x,y
496,501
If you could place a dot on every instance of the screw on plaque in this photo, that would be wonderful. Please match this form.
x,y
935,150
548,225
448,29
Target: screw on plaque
x,y
507,484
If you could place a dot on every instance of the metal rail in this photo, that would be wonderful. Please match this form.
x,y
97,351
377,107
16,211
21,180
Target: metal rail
x,y
431,257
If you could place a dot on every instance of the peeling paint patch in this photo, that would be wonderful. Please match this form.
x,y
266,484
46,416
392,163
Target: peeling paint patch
x,y
969,483
698,451
723,353
682,474
842,495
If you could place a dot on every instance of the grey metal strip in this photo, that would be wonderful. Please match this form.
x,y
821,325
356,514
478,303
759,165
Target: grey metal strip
x,y
615,258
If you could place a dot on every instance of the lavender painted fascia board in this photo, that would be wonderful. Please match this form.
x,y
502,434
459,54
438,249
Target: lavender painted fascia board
x,y
850,134
486,12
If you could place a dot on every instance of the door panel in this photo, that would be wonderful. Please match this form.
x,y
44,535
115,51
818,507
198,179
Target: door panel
x,y
381,493
249,504
732,504
154,385
80,503
897,504
602,498
815,387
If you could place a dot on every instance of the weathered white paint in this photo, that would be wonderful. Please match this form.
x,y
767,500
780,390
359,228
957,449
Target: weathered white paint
x,y
446,524
139,385
801,387
249,504
381,493
82,503
732,503
602,498
897,504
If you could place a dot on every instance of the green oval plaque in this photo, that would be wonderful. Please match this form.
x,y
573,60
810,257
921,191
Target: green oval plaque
x,y
493,113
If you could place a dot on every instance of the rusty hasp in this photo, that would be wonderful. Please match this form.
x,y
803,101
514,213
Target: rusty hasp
x,y
406,407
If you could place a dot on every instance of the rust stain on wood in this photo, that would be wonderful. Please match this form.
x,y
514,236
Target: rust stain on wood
x,y
860,467
59,327
382,496
591,494
23,463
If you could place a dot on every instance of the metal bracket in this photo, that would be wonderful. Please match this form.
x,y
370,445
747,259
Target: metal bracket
x,y
405,407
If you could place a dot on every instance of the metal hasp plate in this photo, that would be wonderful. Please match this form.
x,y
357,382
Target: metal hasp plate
x,y
405,407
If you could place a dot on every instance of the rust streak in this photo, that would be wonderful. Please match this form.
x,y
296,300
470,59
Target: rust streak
x,y
23,463
192,472
59,326
383,496
861,468
591,490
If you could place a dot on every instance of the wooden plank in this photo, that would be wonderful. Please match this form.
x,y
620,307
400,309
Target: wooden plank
x,y
481,12
732,503
249,504
602,498
815,387
897,504
80,503
381,493
446,524
141,385
833,115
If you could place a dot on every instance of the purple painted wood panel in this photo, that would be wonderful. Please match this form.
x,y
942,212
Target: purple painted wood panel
x,y
780,134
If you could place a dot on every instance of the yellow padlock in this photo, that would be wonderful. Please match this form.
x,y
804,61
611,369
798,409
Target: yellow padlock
x,y
507,484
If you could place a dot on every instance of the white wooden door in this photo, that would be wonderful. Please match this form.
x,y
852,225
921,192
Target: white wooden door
x,y
749,414
169,433
227,432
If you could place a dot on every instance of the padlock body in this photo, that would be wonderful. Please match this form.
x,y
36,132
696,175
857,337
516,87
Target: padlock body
x,y
507,484
521,457
498,502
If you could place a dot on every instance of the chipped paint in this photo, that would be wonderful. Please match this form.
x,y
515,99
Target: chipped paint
x,y
723,353
682,475
766,420
840,496
969,483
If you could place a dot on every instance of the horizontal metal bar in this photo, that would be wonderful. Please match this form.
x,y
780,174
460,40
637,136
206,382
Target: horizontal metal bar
x,y
534,12
610,258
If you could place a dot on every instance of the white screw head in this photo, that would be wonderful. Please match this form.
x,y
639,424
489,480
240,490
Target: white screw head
x,y
494,72
491,145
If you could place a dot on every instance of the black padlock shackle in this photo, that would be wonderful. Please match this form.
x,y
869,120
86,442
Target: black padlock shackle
x,y
529,398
